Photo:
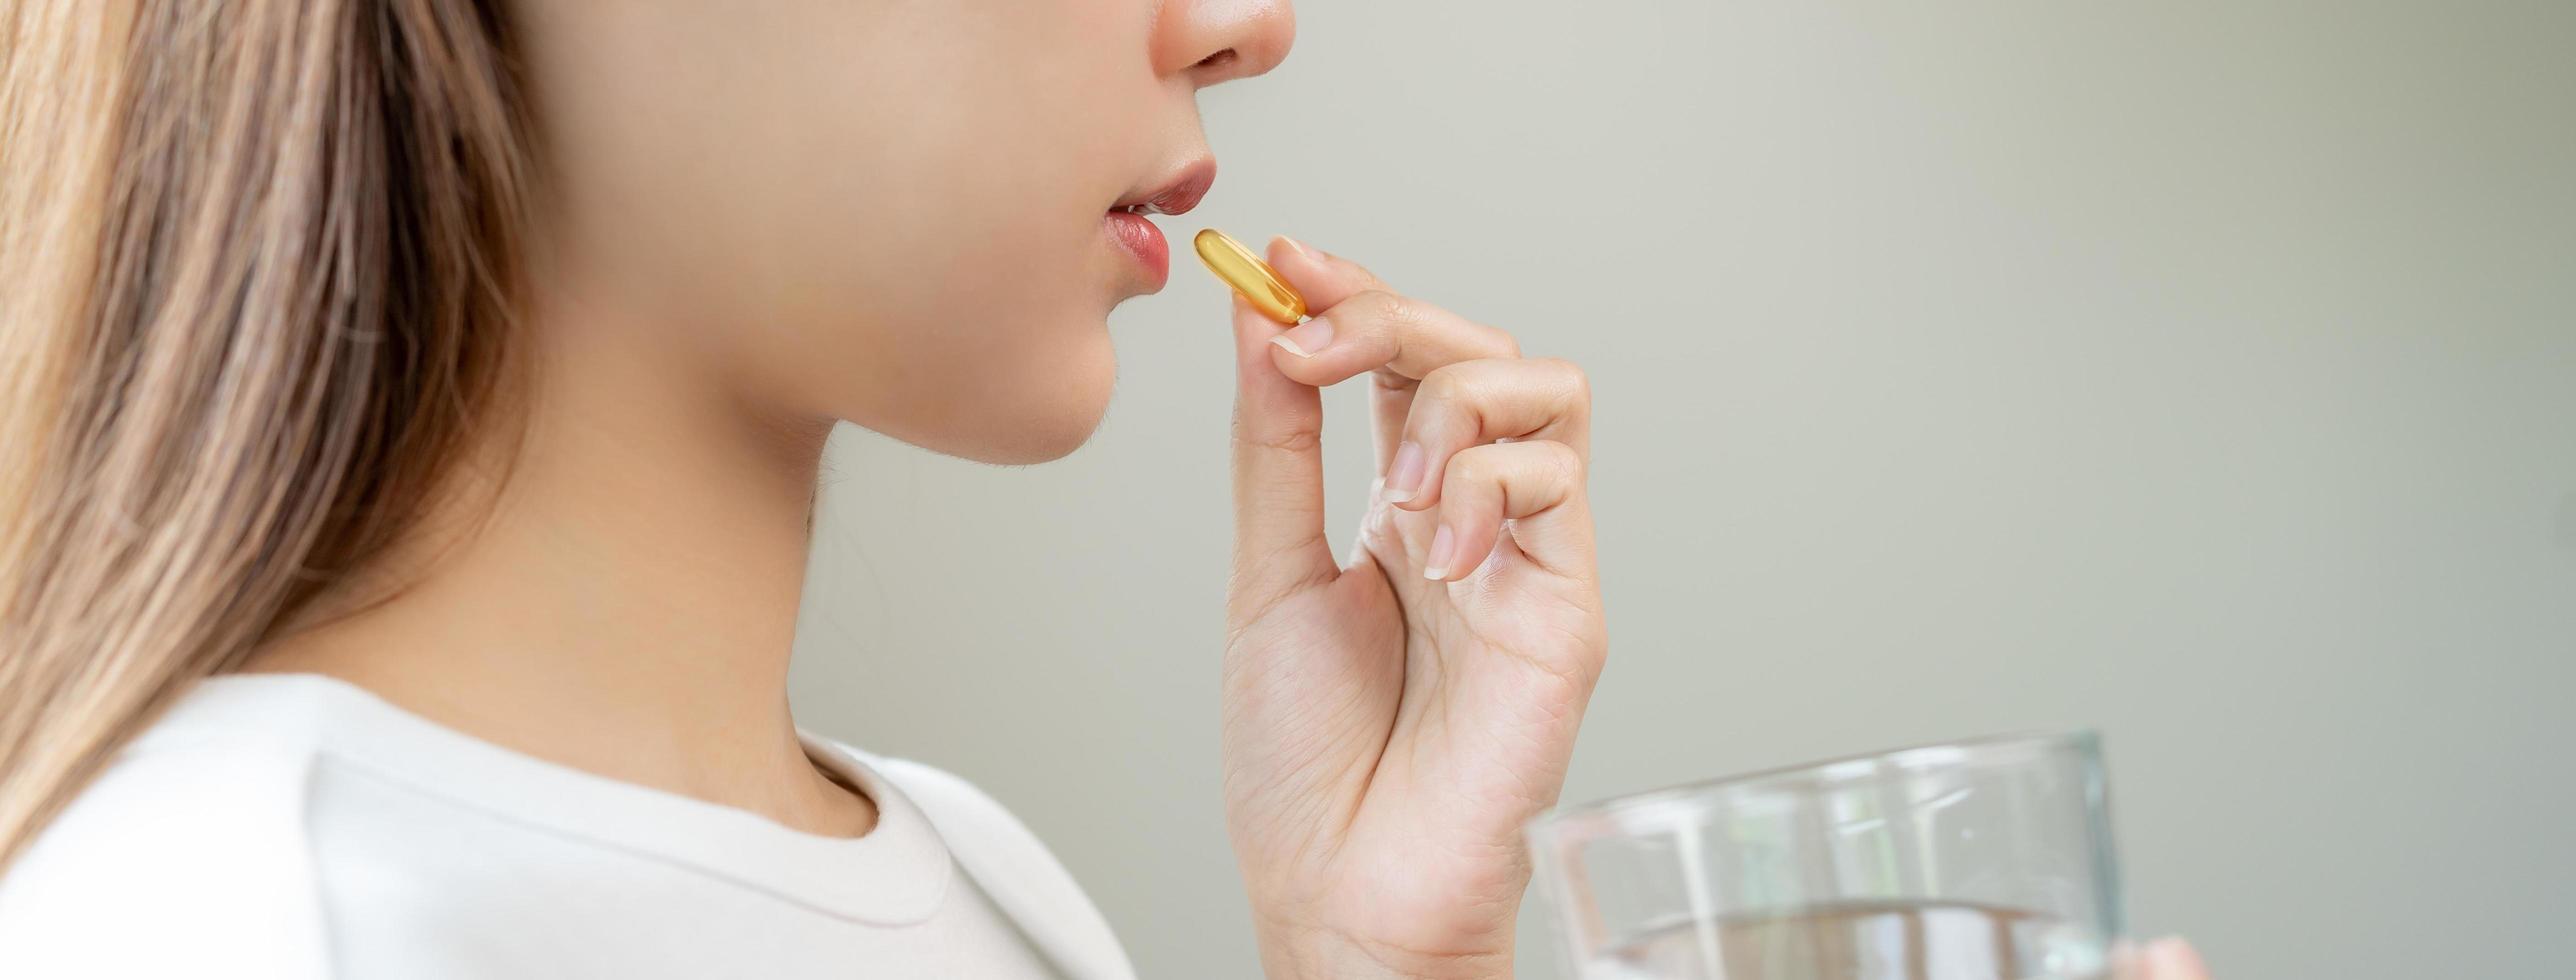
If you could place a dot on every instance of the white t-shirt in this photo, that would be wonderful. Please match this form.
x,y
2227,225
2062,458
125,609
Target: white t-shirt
x,y
287,826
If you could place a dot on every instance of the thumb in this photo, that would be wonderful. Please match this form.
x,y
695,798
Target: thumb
x,y
1279,544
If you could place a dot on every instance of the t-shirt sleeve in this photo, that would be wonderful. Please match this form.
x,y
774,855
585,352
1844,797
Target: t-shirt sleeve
x,y
184,860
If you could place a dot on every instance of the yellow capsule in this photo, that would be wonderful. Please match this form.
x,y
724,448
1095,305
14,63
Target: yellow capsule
x,y
1255,279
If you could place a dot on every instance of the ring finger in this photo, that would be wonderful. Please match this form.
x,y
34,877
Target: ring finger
x,y
1472,403
1522,482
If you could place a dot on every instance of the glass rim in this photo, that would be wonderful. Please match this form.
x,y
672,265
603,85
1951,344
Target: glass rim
x,y
1917,757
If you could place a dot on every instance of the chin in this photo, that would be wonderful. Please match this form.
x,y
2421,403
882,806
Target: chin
x,y
1040,441
1044,419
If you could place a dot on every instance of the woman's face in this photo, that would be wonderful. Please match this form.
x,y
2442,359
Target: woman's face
x,y
895,212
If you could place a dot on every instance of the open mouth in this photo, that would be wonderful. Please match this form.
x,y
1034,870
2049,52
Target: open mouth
x,y
1126,220
1176,194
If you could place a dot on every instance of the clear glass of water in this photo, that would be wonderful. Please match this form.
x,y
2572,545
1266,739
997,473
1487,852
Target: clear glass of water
x,y
1988,859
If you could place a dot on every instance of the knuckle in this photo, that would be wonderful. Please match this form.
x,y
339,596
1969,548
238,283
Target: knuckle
x,y
1443,412
1448,383
1377,307
1298,440
1403,315
1568,390
1561,460
1476,466
1578,384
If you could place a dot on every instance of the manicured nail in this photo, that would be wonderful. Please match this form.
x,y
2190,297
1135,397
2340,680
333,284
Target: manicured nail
x,y
1435,565
1306,338
1404,474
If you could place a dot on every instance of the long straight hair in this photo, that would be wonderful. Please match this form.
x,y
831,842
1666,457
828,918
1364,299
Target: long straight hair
x,y
258,263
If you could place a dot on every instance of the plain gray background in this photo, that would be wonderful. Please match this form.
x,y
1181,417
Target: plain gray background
x,y
2201,372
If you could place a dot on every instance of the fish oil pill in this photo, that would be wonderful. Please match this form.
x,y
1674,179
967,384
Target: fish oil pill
x,y
1254,279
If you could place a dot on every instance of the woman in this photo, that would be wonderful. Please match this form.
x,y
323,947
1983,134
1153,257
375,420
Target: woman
x,y
412,422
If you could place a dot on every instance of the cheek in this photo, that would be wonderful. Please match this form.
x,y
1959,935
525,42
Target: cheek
x,y
903,235
968,270
967,316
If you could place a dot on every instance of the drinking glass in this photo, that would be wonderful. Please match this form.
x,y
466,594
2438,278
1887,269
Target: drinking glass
x,y
1987,859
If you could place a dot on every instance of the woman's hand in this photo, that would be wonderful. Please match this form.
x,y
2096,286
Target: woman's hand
x,y
1391,720
2165,959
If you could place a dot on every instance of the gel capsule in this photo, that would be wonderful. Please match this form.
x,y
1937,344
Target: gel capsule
x,y
1254,279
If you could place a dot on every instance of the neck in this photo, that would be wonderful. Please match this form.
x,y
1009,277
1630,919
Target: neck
x,y
628,603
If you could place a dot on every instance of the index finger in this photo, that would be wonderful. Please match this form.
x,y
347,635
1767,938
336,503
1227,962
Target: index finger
x,y
1323,278
1362,326
1344,293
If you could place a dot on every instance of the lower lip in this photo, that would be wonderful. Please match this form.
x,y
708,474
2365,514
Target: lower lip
x,y
1144,241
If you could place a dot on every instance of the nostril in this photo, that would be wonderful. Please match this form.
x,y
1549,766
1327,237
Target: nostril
x,y
1218,60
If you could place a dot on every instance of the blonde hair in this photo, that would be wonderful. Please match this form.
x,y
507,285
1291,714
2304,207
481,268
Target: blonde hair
x,y
258,261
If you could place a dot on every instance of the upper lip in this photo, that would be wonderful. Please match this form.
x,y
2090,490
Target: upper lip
x,y
1176,195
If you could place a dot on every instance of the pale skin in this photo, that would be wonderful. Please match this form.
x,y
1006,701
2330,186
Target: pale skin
x,y
763,219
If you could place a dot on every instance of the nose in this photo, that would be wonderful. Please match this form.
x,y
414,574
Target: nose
x,y
1215,41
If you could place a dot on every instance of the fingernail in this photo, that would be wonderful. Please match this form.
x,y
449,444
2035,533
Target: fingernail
x,y
1299,247
1435,565
1404,475
1306,338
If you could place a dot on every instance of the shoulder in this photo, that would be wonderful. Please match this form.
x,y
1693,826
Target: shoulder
x,y
980,832
1012,866
957,806
186,856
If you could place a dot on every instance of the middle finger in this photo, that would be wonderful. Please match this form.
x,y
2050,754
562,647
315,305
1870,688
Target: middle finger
x,y
1379,330
1475,403
1397,338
